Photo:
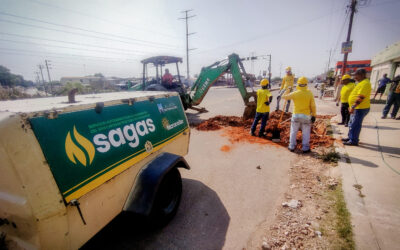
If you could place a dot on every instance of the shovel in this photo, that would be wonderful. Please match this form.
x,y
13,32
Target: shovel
x,y
276,132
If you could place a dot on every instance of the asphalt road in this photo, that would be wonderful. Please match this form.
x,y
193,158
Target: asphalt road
x,y
225,197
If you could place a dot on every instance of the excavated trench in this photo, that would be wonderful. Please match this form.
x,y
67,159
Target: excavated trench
x,y
237,129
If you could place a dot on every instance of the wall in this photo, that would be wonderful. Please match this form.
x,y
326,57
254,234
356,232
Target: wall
x,y
378,71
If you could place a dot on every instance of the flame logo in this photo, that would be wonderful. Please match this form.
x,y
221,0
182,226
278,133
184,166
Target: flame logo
x,y
74,152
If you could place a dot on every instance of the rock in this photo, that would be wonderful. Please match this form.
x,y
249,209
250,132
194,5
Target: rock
x,y
292,204
318,233
305,232
258,167
318,217
265,246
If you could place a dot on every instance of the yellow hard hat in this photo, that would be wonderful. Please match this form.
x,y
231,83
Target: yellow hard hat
x,y
346,76
302,80
289,68
264,82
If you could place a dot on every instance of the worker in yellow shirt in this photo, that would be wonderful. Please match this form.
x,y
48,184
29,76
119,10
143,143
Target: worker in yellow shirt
x,y
359,102
264,98
303,114
348,86
287,83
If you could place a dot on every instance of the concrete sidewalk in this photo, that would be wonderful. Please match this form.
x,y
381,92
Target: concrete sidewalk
x,y
375,165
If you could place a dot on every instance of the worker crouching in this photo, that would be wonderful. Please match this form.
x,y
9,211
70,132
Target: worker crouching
x,y
303,114
264,98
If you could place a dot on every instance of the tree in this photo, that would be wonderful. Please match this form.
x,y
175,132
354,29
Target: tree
x,y
9,79
99,75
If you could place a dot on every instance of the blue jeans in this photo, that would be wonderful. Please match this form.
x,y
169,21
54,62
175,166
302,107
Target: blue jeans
x,y
392,99
278,100
264,118
355,124
303,122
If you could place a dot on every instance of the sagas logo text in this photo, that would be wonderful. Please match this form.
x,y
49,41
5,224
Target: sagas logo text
x,y
80,149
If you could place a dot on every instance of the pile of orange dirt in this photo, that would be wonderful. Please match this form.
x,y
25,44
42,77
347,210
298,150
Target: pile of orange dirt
x,y
238,130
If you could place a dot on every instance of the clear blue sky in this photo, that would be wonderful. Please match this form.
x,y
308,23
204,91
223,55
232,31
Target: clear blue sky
x,y
111,37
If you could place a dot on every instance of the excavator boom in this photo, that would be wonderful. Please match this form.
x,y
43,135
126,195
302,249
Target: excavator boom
x,y
209,75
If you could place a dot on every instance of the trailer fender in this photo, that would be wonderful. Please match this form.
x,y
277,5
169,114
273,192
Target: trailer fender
x,y
142,195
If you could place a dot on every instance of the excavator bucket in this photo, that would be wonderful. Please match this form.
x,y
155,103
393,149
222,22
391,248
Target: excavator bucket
x,y
249,111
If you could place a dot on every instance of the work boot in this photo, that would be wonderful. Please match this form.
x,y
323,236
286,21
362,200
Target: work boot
x,y
346,125
291,150
252,133
306,151
349,143
345,139
393,117
341,123
383,117
398,118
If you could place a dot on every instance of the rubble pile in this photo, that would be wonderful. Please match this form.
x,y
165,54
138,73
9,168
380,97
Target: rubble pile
x,y
300,218
238,129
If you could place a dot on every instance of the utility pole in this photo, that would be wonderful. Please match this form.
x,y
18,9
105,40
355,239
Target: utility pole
x,y
48,73
187,39
269,68
37,77
41,73
329,60
252,57
352,7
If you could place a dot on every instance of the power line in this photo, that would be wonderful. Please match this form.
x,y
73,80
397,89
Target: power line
x,y
82,29
59,41
280,30
74,33
95,17
64,47
71,55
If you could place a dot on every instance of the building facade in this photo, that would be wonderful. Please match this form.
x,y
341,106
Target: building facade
x,y
387,62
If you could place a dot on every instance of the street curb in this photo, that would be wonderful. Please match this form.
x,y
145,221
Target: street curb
x,y
363,234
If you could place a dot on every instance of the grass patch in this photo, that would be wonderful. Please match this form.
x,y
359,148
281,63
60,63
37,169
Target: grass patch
x,y
337,223
330,156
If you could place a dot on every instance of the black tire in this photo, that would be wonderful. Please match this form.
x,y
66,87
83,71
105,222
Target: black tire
x,y
167,199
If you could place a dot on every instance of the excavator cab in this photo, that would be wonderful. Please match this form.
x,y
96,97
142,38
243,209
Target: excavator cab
x,y
156,78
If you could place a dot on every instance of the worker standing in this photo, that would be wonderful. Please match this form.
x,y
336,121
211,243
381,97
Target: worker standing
x,y
303,114
348,86
287,83
264,98
359,102
393,98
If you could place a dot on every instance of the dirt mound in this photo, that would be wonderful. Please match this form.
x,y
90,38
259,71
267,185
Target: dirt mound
x,y
238,129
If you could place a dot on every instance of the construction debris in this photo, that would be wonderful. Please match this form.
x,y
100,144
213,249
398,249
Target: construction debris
x,y
237,129
292,204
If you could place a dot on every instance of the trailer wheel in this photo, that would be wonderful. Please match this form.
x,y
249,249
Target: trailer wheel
x,y
167,199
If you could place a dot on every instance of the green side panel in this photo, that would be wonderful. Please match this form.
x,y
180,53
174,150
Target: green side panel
x,y
206,78
235,70
85,145
137,87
